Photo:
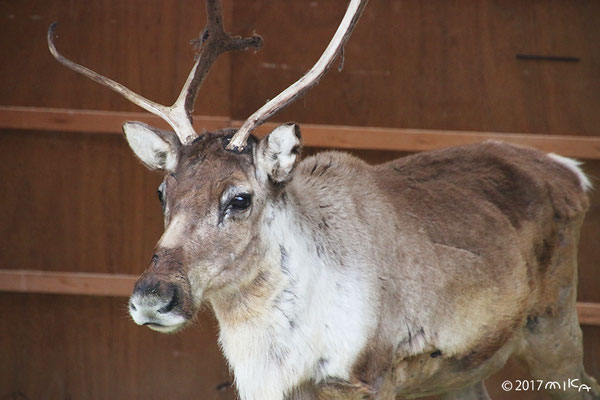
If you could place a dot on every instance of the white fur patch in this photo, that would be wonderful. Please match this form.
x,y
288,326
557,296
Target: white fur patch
x,y
155,152
320,319
573,165
277,156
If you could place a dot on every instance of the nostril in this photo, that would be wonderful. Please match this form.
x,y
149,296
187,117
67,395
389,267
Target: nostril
x,y
172,304
132,306
147,286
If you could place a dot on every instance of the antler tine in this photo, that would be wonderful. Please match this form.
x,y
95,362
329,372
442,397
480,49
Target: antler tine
x,y
135,98
212,42
310,79
182,126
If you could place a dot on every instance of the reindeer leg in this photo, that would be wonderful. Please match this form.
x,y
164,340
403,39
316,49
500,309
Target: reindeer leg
x,y
554,353
473,392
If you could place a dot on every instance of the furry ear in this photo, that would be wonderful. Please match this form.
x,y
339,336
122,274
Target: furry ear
x,y
277,153
156,148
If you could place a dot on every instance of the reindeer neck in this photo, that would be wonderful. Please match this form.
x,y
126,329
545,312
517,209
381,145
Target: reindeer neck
x,y
280,313
286,267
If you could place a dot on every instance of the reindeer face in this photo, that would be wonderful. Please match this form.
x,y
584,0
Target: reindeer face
x,y
213,201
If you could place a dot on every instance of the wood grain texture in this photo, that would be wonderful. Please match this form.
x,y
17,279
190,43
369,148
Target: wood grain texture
x,y
330,136
74,283
76,202
430,65
589,313
90,121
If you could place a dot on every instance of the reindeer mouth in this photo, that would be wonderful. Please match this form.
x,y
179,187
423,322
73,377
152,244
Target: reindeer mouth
x,y
156,313
164,328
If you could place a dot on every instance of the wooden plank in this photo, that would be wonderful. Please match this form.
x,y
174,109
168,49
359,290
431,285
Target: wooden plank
x,y
371,138
589,313
70,120
93,284
119,285
331,136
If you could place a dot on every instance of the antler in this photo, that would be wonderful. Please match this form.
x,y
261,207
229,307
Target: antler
x,y
212,42
310,79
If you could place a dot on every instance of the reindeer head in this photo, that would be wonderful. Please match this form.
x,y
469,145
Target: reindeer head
x,y
216,185
213,201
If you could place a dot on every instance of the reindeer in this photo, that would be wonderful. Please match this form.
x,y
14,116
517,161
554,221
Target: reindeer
x,y
334,279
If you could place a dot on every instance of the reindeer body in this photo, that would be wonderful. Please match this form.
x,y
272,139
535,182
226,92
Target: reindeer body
x,y
333,279
413,277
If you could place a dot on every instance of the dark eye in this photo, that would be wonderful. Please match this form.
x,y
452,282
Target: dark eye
x,y
240,202
161,196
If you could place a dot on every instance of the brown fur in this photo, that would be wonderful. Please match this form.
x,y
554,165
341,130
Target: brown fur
x,y
471,247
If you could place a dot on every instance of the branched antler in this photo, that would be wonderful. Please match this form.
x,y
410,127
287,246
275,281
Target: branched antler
x,y
212,42
301,86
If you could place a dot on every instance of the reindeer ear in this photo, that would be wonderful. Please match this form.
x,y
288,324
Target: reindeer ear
x,y
156,148
277,153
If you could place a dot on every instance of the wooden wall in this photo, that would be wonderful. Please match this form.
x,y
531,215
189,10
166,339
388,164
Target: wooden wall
x,y
435,64
81,215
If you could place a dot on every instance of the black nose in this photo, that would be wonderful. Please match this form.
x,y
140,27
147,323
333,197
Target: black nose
x,y
174,302
151,288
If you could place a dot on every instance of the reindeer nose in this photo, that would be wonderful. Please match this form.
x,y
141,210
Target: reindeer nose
x,y
157,304
152,296
161,297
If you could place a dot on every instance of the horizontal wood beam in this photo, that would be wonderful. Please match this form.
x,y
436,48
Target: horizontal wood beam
x,y
589,313
92,121
94,284
371,138
117,285
330,136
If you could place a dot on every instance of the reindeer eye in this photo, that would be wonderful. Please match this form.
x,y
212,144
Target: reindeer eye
x,y
161,196
240,202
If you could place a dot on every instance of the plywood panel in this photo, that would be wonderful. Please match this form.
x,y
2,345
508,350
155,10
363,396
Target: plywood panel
x,y
76,202
142,44
430,64
78,347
